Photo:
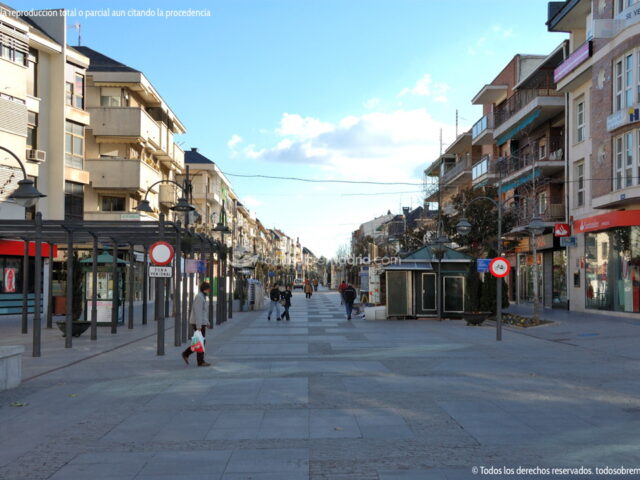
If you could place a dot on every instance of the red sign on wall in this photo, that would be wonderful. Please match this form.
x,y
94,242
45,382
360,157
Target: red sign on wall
x,y
561,230
623,218
9,280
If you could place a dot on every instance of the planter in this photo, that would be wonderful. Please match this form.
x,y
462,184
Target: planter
x,y
77,328
475,318
60,305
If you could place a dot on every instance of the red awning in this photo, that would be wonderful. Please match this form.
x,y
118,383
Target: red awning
x,y
622,218
16,248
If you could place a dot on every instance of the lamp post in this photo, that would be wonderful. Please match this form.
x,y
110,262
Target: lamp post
x,y
26,195
223,229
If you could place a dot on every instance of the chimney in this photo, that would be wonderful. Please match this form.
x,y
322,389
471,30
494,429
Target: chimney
x,y
194,149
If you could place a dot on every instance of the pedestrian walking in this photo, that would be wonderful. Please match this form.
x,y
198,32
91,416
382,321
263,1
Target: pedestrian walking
x,y
341,288
308,289
349,296
274,296
198,320
286,302
315,284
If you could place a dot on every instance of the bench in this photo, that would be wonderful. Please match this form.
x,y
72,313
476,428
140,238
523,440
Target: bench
x,y
10,366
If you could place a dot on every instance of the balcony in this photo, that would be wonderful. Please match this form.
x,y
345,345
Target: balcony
x,y
458,171
551,214
128,122
482,132
484,171
548,160
121,174
526,107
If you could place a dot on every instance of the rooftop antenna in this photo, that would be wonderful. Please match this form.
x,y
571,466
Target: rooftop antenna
x,y
440,141
456,123
78,28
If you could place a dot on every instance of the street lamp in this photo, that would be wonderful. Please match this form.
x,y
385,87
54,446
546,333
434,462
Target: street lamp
x,y
438,248
26,195
535,227
183,204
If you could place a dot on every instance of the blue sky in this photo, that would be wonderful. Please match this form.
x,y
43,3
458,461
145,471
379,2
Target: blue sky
x,y
323,89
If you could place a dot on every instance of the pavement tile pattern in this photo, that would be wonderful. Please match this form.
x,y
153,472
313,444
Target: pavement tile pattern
x,y
321,397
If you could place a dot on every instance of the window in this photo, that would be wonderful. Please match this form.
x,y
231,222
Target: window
x,y
579,184
628,164
580,130
628,80
112,204
69,93
111,97
32,78
543,202
32,130
617,103
14,50
78,91
74,145
618,163
74,91
73,201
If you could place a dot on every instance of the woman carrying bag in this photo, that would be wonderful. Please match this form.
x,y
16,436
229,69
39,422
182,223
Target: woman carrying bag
x,y
198,320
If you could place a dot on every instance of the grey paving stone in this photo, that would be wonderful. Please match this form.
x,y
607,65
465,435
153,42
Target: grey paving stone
x,y
277,460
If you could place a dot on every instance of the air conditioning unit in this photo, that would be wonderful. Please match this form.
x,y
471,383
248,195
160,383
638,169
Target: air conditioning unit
x,y
37,156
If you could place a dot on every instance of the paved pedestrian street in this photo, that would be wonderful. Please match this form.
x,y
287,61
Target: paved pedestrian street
x,y
323,398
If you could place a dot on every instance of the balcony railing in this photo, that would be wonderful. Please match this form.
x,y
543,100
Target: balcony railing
x,y
552,151
486,165
464,163
481,125
519,100
524,212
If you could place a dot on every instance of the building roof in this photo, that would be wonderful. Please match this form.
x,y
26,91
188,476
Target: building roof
x,y
101,63
193,156
426,254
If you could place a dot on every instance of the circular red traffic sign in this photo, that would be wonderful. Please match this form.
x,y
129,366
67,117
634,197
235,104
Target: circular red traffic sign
x,y
499,267
161,253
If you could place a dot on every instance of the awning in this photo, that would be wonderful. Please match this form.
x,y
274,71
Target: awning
x,y
519,181
521,125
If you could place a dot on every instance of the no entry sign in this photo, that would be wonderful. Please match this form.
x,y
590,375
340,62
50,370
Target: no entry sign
x,y
499,267
161,253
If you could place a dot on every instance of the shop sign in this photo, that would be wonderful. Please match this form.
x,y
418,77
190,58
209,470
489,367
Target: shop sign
x,y
195,266
573,61
622,118
629,15
561,230
569,242
623,218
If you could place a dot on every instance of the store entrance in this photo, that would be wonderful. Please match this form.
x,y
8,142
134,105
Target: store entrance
x,y
525,278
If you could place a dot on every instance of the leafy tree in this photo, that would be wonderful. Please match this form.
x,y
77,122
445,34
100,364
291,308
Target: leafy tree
x,y
482,215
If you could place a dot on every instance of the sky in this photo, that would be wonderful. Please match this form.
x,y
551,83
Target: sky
x,y
355,90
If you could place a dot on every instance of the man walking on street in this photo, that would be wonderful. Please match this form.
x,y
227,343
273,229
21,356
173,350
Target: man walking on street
x,y
315,284
286,298
341,288
198,320
349,295
274,296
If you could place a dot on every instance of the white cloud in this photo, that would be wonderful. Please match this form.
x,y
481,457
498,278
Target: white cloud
x,y
373,146
307,127
234,140
371,103
426,87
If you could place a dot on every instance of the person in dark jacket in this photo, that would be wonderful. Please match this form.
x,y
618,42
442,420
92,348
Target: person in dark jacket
x,y
349,295
274,296
341,288
286,298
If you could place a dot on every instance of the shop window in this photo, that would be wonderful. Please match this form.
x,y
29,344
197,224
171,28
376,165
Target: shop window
x,y
612,270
